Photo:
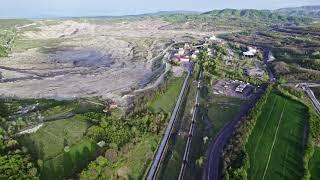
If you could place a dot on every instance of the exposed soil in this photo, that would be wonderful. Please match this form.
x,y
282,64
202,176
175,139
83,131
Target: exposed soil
x,y
71,59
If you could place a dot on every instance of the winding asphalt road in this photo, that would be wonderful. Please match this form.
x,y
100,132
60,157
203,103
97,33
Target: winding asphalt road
x,y
311,95
212,170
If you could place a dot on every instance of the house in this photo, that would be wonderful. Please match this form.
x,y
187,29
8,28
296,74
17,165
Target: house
x,y
110,105
251,52
101,144
187,46
211,52
270,56
228,62
193,56
181,52
240,88
184,59
254,72
213,38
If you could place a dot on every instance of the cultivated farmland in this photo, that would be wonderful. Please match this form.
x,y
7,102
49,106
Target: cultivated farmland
x,y
315,165
275,146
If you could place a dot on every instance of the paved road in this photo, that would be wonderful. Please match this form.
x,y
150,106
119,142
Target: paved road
x,y
155,165
311,95
212,170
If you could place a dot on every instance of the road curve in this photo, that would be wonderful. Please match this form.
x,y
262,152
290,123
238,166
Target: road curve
x,y
212,171
311,95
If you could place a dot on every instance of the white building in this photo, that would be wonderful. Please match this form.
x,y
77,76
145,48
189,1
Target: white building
x,y
184,59
181,52
251,52
187,46
271,57
210,52
213,38
240,88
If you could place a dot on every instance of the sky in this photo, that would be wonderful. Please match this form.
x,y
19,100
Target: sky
x,y
67,8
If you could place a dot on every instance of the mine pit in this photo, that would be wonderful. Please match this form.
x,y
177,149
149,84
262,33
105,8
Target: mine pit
x,y
81,58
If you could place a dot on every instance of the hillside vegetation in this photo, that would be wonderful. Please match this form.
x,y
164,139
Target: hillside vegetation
x,y
306,11
230,20
252,14
8,28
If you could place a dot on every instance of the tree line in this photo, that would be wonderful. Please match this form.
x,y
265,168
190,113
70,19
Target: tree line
x,y
15,163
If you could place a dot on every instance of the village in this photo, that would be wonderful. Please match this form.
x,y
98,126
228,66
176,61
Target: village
x,y
188,52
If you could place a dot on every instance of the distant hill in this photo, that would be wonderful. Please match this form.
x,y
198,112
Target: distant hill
x,y
305,11
246,13
252,14
160,13
164,13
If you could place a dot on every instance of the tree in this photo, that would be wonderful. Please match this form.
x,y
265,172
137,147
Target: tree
x,y
17,166
3,51
3,109
203,57
209,66
206,63
96,133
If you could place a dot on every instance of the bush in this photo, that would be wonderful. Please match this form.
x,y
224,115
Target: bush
x,y
3,51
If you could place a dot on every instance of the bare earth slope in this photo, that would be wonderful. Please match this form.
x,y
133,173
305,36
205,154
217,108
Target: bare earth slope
x,y
68,59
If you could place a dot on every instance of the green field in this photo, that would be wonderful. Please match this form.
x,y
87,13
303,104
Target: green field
x,y
67,163
315,164
49,142
275,146
166,101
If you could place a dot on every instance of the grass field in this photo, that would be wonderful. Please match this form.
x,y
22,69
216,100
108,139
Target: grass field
x,y
166,101
275,146
50,140
315,165
48,144
67,163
